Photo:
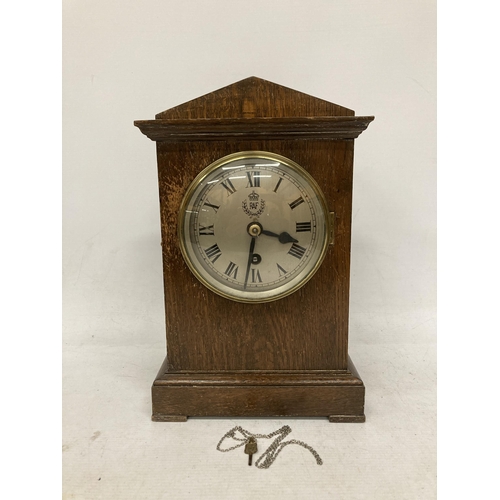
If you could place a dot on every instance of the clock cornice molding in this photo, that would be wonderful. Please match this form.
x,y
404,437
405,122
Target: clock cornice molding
x,y
324,127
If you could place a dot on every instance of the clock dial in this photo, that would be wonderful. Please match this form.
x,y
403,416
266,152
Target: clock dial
x,y
253,226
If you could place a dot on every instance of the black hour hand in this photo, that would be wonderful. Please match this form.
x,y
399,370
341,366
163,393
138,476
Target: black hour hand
x,y
282,237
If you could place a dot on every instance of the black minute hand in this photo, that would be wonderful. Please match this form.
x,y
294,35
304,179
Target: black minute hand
x,y
282,237
250,255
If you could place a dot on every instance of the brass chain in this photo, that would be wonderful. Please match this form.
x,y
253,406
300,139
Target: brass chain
x,y
269,456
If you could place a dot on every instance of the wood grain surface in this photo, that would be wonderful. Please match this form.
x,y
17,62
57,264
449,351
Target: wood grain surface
x,y
304,331
254,97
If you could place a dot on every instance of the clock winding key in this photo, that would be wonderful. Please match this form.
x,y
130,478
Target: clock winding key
x,y
250,448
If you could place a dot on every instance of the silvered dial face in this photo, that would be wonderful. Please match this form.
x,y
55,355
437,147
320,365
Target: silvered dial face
x,y
253,227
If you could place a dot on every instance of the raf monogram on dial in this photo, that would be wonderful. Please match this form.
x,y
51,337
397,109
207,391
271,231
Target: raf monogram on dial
x,y
254,226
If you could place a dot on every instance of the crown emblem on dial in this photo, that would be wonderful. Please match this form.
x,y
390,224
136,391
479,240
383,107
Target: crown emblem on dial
x,y
254,207
253,196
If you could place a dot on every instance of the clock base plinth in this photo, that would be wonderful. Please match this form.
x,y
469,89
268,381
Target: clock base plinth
x,y
342,419
159,417
335,394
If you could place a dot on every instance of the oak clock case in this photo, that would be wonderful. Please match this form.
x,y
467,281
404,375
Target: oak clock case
x,y
255,188
254,227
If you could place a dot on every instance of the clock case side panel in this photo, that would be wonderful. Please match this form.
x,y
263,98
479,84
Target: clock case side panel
x,y
306,331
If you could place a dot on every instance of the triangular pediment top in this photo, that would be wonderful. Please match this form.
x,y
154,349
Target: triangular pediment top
x,y
254,98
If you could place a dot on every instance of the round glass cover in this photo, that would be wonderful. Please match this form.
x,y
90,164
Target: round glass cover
x,y
253,226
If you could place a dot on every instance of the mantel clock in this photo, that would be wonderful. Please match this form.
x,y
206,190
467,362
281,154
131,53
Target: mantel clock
x,y
255,185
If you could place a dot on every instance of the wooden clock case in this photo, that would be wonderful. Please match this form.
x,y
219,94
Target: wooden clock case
x,y
285,358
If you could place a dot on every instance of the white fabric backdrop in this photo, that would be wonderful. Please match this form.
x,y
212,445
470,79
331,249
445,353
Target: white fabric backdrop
x,y
126,60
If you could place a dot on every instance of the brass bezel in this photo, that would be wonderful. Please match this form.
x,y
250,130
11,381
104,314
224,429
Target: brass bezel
x,y
239,156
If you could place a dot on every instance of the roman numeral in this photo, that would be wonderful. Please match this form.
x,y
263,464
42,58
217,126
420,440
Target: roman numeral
x,y
232,270
208,204
207,231
213,252
256,276
281,271
297,251
253,179
228,185
296,203
301,227
278,185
